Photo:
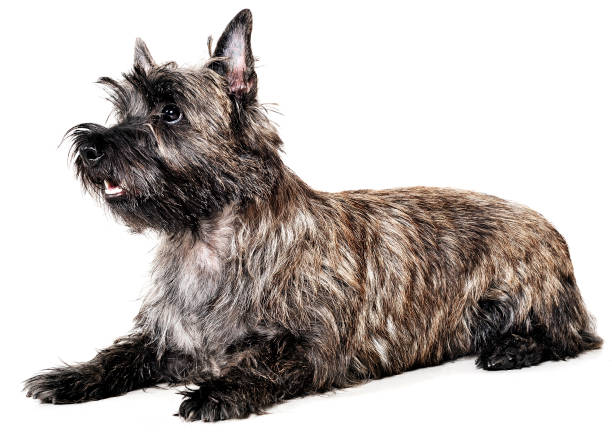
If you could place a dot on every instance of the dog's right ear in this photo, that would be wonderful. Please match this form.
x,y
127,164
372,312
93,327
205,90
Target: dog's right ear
x,y
142,56
235,58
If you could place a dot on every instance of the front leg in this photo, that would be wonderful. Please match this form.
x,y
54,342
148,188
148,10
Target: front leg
x,y
130,363
274,372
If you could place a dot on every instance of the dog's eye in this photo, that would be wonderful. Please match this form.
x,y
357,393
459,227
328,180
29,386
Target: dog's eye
x,y
171,114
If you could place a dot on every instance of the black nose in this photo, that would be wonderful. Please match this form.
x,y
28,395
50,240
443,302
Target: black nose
x,y
90,155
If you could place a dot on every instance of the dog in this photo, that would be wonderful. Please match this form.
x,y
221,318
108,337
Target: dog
x,y
264,289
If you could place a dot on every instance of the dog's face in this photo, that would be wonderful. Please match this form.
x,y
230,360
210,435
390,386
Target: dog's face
x,y
180,150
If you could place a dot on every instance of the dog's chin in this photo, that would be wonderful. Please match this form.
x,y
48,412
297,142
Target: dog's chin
x,y
132,213
164,212
141,214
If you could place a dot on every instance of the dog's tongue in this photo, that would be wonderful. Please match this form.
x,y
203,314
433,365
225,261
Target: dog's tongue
x,y
111,189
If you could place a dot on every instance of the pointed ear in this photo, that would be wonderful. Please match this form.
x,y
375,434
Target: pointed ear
x,y
142,56
238,64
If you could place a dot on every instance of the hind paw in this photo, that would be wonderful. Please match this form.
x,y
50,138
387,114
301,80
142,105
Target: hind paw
x,y
514,352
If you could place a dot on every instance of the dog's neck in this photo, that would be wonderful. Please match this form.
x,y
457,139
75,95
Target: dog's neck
x,y
192,268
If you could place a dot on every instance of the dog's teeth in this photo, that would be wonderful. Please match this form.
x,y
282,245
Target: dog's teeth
x,y
111,189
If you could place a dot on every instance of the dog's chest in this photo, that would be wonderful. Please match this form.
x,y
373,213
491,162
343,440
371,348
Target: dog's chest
x,y
179,309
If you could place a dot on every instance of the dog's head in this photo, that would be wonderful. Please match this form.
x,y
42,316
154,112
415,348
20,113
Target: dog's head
x,y
187,142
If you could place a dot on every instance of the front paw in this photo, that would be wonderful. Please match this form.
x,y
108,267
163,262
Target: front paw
x,y
63,385
206,404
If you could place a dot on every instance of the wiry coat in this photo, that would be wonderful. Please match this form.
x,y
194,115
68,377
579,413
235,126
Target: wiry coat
x,y
264,289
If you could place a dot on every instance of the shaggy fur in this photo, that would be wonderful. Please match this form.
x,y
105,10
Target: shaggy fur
x,y
264,289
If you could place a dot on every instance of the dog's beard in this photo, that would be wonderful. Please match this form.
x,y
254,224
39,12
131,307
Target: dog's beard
x,y
177,206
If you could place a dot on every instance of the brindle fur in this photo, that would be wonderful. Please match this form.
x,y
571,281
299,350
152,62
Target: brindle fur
x,y
264,289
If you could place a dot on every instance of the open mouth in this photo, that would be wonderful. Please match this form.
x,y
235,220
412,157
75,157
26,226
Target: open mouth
x,y
112,190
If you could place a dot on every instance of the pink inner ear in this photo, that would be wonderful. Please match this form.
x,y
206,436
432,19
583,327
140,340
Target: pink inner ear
x,y
235,52
237,84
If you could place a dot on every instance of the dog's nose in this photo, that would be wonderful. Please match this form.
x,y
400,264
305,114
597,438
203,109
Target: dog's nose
x,y
90,155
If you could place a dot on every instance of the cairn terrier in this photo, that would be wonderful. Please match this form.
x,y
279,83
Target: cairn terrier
x,y
264,289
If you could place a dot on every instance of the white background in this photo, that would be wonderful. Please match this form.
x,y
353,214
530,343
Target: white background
x,y
510,98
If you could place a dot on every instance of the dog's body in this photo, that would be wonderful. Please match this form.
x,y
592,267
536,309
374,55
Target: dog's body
x,y
264,289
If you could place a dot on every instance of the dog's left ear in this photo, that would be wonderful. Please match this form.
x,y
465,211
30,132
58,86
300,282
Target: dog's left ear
x,y
237,64
142,56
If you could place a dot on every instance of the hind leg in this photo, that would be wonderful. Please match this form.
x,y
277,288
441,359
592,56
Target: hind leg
x,y
498,341
504,341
